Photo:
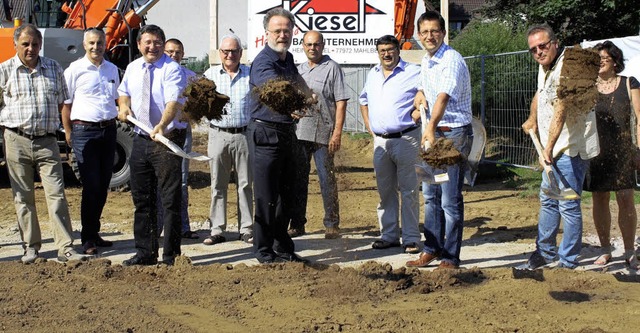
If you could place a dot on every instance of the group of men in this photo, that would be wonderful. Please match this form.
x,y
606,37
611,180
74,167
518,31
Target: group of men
x,y
394,93
89,98
269,151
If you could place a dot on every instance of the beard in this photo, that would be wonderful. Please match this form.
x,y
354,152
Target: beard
x,y
279,47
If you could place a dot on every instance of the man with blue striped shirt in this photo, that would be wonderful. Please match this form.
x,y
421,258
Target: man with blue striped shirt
x,y
446,93
228,145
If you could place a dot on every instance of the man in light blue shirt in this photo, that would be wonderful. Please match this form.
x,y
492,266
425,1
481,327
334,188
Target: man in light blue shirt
x,y
152,164
446,94
386,103
228,145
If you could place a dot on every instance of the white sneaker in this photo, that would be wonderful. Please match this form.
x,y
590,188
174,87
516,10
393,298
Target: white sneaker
x,y
71,254
30,255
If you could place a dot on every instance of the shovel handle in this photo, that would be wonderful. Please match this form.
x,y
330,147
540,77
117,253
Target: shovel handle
x,y
423,118
536,142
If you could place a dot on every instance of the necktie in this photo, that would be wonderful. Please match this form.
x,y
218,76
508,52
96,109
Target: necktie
x,y
145,100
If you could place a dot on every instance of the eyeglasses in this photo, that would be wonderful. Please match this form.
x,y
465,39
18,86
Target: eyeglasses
x,y
314,45
389,51
431,32
541,47
286,32
231,51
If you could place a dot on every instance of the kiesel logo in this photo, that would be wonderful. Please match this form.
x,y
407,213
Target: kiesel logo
x,y
339,16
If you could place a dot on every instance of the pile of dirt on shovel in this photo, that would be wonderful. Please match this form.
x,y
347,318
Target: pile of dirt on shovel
x,y
203,100
283,96
441,154
577,87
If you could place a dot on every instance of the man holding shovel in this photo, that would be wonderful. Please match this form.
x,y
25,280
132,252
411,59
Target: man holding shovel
x,y
568,141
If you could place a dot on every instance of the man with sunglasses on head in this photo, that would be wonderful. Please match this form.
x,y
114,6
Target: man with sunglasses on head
x,y
228,146
272,138
568,141
319,135
445,92
89,119
386,104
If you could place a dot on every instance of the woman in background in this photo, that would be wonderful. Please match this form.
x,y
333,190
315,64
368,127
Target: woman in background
x,y
613,170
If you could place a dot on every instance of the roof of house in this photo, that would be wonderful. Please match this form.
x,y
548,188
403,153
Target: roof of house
x,y
464,9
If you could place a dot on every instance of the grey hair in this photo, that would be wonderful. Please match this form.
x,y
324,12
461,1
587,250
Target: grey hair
x,y
542,28
278,11
29,29
234,37
94,31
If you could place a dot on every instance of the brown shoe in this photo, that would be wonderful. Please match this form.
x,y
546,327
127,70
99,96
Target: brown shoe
x,y
423,261
447,265
332,233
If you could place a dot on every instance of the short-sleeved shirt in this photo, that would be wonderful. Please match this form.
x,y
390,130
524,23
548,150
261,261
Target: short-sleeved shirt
x,y
167,84
266,66
446,72
30,100
579,134
238,113
92,89
390,99
326,79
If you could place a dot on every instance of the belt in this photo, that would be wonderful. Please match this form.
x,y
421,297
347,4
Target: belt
x,y
280,126
396,134
26,135
101,124
170,135
444,128
232,130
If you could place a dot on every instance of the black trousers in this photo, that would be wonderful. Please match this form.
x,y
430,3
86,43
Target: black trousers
x,y
155,171
274,173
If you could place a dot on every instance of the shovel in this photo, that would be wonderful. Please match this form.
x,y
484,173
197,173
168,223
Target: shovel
x,y
426,173
170,144
553,191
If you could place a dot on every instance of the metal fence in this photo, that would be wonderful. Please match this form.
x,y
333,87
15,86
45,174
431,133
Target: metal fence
x,y
503,85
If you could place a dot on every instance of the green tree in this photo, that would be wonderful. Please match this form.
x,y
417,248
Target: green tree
x,y
572,20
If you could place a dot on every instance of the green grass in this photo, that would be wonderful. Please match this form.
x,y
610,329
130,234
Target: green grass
x,y
527,181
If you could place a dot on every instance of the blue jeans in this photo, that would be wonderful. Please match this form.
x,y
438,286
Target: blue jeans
x,y
94,148
569,172
328,185
444,204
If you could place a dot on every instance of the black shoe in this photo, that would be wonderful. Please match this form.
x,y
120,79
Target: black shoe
x,y
169,261
139,260
535,261
89,248
103,243
296,232
291,257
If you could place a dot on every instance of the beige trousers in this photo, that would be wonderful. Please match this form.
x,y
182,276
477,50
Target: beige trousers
x,y
24,157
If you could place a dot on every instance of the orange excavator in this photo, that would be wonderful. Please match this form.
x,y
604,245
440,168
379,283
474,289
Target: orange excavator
x,y
405,14
120,20
62,41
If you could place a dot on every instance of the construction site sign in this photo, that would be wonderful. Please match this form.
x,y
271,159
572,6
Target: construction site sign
x,y
350,27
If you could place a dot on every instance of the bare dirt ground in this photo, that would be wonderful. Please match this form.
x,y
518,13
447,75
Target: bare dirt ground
x,y
221,295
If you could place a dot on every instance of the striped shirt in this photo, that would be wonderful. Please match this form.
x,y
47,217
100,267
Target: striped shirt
x,y
446,72
31,101
238,112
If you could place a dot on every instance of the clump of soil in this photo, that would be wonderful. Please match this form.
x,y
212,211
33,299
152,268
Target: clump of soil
x,y
441,154
577,88
203,100
283,96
